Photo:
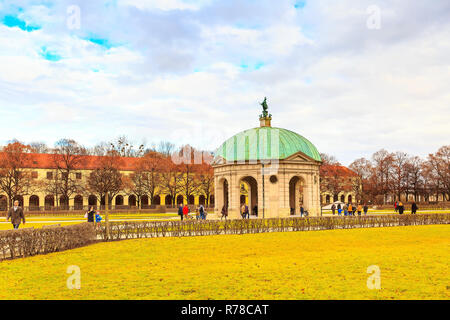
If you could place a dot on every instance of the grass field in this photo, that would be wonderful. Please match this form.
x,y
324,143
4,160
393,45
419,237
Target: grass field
x,y
414,264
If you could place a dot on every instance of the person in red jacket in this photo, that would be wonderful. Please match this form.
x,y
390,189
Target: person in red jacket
x,y
185,211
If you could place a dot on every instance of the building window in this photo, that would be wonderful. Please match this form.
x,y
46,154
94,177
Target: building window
x,y
34,175
78,175
64,175
49,175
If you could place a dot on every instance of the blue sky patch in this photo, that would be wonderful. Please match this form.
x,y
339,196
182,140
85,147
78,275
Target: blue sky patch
x,y
300,4
49,55
13,21
105,43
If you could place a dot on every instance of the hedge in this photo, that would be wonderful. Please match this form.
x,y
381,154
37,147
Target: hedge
x,y
151,229
28,242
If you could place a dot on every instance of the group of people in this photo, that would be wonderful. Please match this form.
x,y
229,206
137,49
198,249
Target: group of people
x,y
93,216
245,211
400,208
183,212
349,209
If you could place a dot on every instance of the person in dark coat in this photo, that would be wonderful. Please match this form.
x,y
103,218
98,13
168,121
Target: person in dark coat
x,y
365,209
255,210
302,211
180,211
90,214
16,215
414,208
333,209
224,213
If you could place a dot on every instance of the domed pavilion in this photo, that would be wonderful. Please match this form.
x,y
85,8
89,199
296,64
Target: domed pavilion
x,y
279,167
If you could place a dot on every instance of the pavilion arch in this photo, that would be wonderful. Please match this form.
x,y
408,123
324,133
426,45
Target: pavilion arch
x,y
211,201
342,198
222,193
180,199
33,203
350,198
191,199
252,191
327,199
78,202
297,194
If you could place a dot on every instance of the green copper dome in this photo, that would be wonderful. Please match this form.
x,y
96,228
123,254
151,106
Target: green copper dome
x,y
265,143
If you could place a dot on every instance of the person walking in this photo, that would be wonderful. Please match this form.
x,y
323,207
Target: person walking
x,y
414,208
345,210
353,209
395,206
302,211
339,211
333,209
359,209
243,211
180,211
201,211
339,206
90,215
400,207
349,209
224,213
255,210
185,211
365,208
16,214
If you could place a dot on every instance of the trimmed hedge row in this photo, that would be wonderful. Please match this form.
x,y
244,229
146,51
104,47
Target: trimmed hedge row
x,y
28,242
151,229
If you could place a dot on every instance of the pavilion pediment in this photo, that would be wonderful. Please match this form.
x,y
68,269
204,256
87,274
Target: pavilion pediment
x,y
300,157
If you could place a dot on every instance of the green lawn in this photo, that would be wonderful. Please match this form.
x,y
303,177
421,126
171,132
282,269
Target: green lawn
x,y
414,263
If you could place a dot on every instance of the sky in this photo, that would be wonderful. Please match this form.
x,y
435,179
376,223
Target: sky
x,y
351,76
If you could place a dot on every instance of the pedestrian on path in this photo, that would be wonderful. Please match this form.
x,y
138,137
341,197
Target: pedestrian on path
x,y
414,208
180,211
90,215
359,209
185,211
333,209
16,214
366,208
400,207
224,213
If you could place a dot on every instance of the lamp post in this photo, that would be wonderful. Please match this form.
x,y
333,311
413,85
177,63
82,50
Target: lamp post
x,y
263,192
107,215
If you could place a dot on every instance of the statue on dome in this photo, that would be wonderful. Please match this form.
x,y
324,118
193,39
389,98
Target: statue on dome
x,y
265,114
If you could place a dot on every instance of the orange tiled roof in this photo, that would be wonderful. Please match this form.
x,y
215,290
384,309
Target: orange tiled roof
x,y
340,170
46,161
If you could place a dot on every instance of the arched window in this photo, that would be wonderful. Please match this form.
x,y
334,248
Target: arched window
x,y
168,200
202,200
78,202
33,203
327,198
63,203
157,200
119,200
342,198
132,200
180,199
144,201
